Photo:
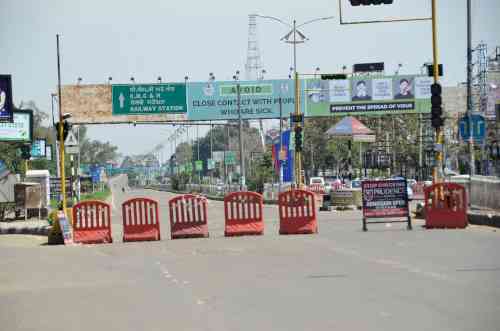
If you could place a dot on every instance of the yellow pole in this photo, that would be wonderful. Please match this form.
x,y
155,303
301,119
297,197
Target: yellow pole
x,y
298,158
439,134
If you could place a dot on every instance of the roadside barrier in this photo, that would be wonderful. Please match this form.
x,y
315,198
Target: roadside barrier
x,y
243,214
445,206
297,211
188,216
92,222
140,220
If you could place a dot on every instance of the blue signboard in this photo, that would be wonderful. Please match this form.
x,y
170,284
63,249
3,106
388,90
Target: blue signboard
x,y
38,148
478,127
258,99
95,173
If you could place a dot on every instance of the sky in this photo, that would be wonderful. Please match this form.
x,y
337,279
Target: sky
x,y
150,38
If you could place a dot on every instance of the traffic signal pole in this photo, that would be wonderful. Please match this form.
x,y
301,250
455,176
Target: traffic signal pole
x,y
61,134
437,170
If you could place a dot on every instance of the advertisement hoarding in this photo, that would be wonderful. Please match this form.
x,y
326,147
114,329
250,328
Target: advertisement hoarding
x,y
368,95
258,99
6,104
20,130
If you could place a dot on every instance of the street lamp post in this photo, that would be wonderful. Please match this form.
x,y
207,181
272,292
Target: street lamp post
x,y
240,131
291,38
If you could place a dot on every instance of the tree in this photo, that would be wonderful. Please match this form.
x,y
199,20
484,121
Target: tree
x,y
95,151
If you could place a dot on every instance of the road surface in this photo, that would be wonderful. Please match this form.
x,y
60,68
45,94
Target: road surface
x,y
341,279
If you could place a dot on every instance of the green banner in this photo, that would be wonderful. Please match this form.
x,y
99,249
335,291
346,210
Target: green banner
x,y
368,95
210,164
230,158
188,167
198,165
149,99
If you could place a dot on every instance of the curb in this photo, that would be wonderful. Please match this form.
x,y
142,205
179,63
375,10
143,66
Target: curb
x,y
482,219
37,231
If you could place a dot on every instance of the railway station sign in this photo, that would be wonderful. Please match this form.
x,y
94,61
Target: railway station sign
x,y
138,99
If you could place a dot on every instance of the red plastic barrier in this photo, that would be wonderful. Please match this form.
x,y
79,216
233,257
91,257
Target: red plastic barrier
x,y
243,214
445,206
297,210
188,216
92,222
140,220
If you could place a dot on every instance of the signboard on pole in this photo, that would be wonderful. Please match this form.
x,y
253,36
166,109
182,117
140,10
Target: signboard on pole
x,y
198,165
20,130
230,158
71,139
259,99
72,149
6,104
48,152
478,128
367,95
210,164
139,99
38,148
385,199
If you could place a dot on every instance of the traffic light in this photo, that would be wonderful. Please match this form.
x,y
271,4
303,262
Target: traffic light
x,y
298,138
66,128
26,152
436,109
370,2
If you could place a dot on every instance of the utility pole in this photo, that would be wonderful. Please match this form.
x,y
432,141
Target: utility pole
x,y
61,134
240,138
472,168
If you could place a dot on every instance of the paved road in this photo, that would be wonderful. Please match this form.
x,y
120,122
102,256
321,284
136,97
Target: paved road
x,y
341,279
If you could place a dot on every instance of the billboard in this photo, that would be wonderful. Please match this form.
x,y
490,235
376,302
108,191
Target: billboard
x,y
258,99
368,95
6,105
94,104
21,128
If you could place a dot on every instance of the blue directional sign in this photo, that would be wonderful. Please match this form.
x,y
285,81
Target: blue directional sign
x,y
478,128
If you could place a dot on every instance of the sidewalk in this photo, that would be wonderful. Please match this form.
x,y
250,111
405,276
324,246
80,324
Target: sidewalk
x,y
32,226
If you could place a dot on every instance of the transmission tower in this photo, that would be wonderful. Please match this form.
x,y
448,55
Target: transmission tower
x,y
480,89
253,67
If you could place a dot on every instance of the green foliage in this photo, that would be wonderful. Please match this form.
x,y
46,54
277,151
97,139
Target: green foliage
x,y
179,181
100,195
263,173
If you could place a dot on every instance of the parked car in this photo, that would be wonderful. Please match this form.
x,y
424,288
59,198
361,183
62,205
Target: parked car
x,y
316,180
